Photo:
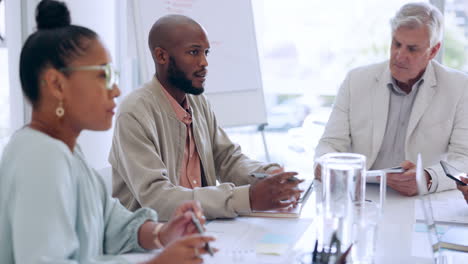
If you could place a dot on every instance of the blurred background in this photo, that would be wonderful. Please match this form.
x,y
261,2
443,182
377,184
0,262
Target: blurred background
x,y
306,47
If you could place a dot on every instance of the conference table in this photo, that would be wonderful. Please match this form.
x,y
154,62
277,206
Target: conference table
x,y
397,240
285,240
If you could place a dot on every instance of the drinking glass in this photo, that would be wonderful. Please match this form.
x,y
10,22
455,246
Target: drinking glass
x,y
364,231
344,185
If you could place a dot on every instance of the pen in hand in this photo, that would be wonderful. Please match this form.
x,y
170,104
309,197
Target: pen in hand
x,y
200,230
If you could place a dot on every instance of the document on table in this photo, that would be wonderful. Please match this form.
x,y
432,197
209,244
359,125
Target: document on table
x,y
447,211
248,241
254,240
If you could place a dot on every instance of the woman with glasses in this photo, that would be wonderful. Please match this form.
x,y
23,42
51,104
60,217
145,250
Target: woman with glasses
x,y
54,206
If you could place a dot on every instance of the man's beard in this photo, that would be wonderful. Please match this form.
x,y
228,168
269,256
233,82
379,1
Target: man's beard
x,y
178,78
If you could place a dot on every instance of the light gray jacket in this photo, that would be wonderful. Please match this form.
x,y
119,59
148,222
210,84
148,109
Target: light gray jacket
x,y
147,153
438,125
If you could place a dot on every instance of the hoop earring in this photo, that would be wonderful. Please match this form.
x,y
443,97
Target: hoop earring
x,y
59,111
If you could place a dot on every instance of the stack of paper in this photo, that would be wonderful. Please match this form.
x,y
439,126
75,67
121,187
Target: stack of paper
x,y
448,211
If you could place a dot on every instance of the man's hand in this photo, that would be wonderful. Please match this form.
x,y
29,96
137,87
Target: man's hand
x,y
405,182
318,172
274,192
464,189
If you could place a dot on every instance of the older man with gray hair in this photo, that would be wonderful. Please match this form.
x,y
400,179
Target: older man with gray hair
x,y
410,104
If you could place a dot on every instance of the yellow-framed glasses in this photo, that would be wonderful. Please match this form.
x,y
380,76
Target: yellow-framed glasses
x,y
112,75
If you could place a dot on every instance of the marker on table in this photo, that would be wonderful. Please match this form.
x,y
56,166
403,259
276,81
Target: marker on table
x,y
200,230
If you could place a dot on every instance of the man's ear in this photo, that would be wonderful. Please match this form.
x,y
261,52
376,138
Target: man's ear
x,y
160,55
54,82
434,50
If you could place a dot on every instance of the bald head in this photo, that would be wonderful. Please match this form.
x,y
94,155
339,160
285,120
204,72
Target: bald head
x,y
168,31
179,47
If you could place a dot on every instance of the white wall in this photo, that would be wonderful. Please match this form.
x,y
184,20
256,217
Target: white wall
x,y
14,44
99,16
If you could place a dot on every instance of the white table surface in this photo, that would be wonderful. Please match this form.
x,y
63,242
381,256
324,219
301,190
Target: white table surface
x,y
397,242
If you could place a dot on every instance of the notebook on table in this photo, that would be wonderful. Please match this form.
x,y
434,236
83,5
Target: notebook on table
x,y
289,212
456,238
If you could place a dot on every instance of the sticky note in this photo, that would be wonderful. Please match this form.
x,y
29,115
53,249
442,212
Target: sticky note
x,y
271,249
274,244
271,238
420,227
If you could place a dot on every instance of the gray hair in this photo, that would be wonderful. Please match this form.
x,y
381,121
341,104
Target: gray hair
x,y
415,15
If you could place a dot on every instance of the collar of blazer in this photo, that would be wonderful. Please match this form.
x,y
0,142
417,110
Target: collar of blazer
x,y
381,100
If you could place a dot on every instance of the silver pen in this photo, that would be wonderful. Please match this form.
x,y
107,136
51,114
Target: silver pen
x,y
200,230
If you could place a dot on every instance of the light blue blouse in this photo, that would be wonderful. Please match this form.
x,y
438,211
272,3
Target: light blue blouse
x,y
54,208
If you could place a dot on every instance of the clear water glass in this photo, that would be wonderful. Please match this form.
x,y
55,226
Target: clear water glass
x,y
343,176
364,230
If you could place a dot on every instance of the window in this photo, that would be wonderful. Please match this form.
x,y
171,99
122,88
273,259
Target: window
x,y
307,47
456,34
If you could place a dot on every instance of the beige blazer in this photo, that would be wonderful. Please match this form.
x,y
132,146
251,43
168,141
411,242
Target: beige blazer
x,y
438,125
147,153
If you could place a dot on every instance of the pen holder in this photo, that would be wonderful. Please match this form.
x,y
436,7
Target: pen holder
x,y
330,255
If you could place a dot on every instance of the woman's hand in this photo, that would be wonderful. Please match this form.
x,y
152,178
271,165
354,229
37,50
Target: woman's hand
x,y
180,223
187,250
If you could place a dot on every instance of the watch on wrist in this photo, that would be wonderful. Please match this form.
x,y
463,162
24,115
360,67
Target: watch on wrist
x,y
429,183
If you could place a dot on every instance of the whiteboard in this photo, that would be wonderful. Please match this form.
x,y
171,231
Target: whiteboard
x,y
234,83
